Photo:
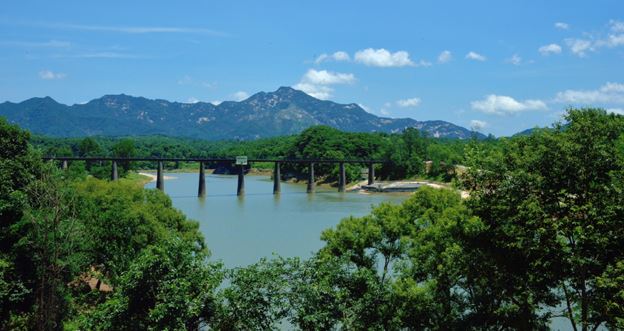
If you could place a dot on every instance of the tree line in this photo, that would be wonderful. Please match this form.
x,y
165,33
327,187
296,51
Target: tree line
x,y
407,152
540,237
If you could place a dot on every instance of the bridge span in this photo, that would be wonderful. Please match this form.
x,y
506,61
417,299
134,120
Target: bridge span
x,y
240,163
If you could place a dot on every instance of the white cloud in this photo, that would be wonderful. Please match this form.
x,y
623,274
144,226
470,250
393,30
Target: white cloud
x,y
411,102
324,77
614,38
192,100
384,58
502,105
579,47
562,26
337,56
475,56
129,29
616,26
607,93
317,82
318,91
445,57
240,95
44,44
514,59
477,125
549,49
216,102
384,112
51,75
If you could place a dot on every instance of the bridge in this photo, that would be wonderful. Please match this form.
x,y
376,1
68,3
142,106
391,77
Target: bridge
x,y
240,163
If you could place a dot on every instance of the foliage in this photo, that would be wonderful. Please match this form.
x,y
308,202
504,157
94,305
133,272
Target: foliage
x,y
167,287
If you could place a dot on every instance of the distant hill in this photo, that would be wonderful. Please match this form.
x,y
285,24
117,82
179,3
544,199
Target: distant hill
x,y
283,112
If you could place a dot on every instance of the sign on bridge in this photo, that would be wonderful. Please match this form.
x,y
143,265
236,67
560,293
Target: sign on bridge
x,y
241,160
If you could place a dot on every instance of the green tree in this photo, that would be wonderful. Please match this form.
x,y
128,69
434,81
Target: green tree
x,y
257,297
552,207
167,287
124,149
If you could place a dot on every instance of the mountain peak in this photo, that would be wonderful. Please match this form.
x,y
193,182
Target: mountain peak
x,y
284,90
38,100
285,111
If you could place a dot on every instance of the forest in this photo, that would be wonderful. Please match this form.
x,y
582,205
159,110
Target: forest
x,y
407,152
540,237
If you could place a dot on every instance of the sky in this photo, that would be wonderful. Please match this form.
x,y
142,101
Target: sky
x,y
495,66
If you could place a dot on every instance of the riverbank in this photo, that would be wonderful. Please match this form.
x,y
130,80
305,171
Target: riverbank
x,y
152,177
399,186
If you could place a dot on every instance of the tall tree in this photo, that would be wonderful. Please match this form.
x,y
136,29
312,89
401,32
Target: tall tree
x,y
552,205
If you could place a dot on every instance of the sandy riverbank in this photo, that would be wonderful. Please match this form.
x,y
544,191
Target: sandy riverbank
x,y
357,187
152,176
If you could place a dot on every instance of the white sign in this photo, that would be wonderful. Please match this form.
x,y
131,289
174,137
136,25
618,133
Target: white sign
x,y
241,160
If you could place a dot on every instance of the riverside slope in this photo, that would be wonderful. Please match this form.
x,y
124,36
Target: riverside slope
x,y
283,112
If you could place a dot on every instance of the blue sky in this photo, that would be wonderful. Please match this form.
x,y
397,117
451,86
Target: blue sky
x,y
497,66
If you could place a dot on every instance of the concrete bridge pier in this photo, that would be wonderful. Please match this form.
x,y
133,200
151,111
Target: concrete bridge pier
x,y
240,190
276,178
160,180
342,180
64,165
310,188
371,174
114,174
201,191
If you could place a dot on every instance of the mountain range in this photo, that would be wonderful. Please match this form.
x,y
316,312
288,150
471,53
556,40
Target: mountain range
x,y
283,112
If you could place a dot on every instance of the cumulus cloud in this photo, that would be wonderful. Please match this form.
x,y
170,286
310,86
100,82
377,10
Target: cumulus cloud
x,y
324,77
515,60
337,56
562,26
51,75
502,105
607,93
317,83
445,57
411,102
477,125
192,100
549,49
475,56
384,58
240,95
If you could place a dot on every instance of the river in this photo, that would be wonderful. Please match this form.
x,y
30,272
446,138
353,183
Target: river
x,y
241,230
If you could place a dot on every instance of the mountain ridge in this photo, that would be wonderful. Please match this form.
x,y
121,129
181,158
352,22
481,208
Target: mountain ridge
x,y
265,114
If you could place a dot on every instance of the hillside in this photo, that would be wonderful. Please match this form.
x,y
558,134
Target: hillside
x,y
265,114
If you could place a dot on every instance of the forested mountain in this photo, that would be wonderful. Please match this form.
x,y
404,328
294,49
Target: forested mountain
x,y
283,112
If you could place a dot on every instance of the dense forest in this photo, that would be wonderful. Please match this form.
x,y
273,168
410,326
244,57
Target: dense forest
x,y
408,151
541,236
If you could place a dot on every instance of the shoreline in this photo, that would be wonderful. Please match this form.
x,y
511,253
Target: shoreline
x,y
152,176
354,187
